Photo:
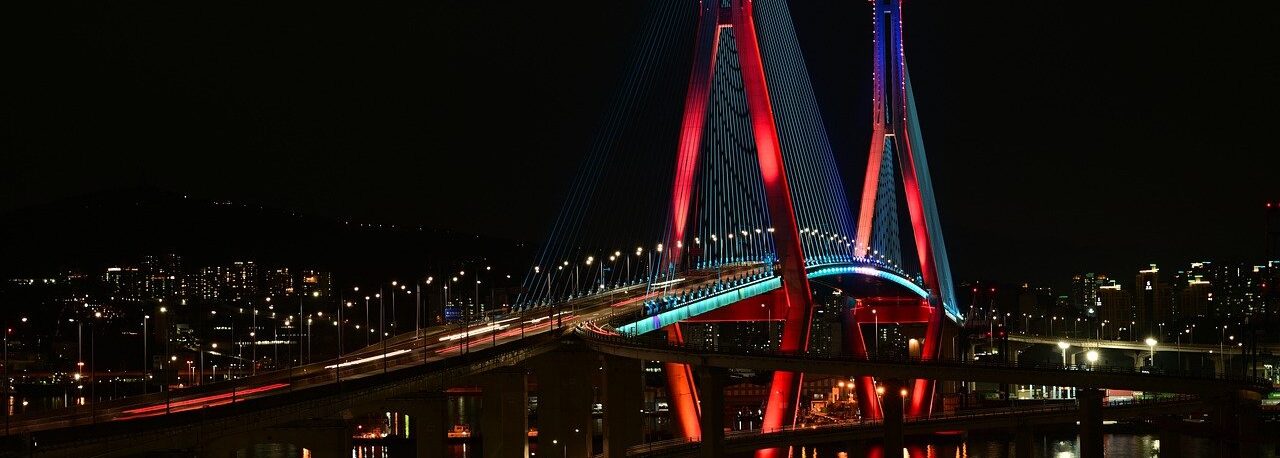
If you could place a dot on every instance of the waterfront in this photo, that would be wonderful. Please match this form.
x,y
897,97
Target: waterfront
x,y
975,446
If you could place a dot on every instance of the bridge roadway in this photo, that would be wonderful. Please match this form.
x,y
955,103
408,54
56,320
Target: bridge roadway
x,y
362,380
1140,346
1030,373
863,430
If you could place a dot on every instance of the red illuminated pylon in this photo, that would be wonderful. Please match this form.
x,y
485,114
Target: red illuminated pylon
x,y
784,391
893,133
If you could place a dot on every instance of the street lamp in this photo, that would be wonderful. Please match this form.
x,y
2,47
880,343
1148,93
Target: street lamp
x,y
1092,357
146,364
393,303
1151,342
876,329
1062,345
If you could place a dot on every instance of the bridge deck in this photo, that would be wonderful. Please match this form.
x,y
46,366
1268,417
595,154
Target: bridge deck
x,y
1098,376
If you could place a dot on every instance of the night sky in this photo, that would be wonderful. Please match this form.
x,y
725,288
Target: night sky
x,y
1063,136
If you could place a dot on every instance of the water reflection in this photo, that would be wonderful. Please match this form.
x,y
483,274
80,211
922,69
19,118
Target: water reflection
x,y
1048,446
18,405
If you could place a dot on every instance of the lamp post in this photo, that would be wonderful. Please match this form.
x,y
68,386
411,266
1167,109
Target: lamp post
x,y
298,322
382,332
1221,336
1092,357
253,337
393,304
876,344
1062,345
1151,342
146,366
7,330
93,379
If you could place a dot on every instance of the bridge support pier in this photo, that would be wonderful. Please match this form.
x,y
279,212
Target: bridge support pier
x,y
565,393
1237,418
328,443
1090,400
504,427
892,406
623,393
429,414
1024,441
1170,437
1138,360
711,396
321,438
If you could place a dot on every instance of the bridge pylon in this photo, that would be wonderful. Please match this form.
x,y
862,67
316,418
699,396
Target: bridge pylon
x,y
733,20
896,143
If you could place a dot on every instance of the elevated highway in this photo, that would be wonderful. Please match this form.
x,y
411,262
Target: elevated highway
x,y
1140,346
865,430
1097,376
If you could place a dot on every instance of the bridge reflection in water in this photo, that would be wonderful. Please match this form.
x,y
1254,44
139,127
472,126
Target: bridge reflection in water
x,y
1120,445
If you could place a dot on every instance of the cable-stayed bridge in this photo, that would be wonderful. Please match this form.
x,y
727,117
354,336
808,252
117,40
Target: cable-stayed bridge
x,y
734,210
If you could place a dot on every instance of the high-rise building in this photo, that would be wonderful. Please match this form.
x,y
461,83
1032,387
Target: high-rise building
x,y
1268,276
313,282
1034,301
1235,290
1115,305
242,281
162,277
1195,299
124,283
277,282
1084,291
233,283
1152,304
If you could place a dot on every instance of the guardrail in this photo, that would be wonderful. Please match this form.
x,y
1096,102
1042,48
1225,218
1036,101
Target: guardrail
x,y
1020,412
306,388
702,348
277,409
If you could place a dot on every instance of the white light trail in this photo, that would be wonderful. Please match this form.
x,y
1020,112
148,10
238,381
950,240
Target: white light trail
x,y
365,360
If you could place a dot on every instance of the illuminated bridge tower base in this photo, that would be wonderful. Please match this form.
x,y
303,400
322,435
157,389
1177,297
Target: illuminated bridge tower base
x,y
896,143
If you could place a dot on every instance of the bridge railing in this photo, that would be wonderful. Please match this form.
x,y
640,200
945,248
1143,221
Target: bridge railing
x,y
315,374
1001,412
310,397
702,347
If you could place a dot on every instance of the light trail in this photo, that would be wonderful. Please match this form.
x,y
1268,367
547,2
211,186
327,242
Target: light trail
x,y
473,332
368,359
214,399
